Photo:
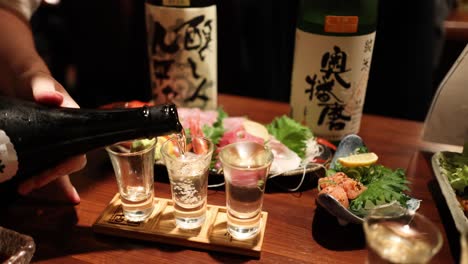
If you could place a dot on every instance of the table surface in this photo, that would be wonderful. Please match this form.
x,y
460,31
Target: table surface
x,y
297,230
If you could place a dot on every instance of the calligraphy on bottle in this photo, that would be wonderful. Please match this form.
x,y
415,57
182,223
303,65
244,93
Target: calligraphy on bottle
x,y
183,55
329,86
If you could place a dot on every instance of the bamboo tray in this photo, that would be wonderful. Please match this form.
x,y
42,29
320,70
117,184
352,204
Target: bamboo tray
x,y
160,227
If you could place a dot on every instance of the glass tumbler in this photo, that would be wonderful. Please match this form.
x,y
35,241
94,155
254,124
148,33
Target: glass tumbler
x,y
187,162
133,163
397,235
245,166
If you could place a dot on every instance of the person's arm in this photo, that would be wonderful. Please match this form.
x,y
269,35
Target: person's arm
x,y
18,55
24,74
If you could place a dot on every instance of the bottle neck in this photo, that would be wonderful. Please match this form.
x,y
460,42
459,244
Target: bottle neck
x,y
79,130
164,119
122,124
312,15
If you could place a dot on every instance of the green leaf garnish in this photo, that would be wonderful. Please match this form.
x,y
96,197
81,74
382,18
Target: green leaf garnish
x,y
290,133
216,131
383,186
455,166
141,144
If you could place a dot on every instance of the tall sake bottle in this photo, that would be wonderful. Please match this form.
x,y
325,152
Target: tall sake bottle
x,y
332,58
182,48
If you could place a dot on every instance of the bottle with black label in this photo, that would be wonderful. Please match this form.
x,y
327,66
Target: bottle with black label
x,y
34,137
182,48
332,58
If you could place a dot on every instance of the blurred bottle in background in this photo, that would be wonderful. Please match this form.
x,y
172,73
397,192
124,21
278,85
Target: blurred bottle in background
x,y
332,59
182,49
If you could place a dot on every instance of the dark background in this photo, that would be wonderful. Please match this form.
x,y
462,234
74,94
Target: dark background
x,y
97,50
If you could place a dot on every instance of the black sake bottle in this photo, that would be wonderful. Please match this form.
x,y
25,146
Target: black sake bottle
x,y
34,137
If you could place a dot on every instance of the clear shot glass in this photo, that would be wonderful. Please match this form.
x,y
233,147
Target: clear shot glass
x,y
187,163
245,166
133,163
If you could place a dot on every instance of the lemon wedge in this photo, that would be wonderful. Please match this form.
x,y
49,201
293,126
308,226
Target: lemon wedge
x,y
256,129
357,160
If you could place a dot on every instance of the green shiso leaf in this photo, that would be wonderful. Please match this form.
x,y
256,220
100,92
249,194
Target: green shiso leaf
x,y
290,133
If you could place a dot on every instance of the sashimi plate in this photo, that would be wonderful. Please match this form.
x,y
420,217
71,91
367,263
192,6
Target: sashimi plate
x,y
289,172
298,155
290,180
295,179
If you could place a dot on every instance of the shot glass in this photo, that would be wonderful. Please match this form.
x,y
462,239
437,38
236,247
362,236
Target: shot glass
x,y
187,163
245,167
400,236
133,163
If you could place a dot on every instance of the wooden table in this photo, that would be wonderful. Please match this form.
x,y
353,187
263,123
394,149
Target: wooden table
x,y
297,231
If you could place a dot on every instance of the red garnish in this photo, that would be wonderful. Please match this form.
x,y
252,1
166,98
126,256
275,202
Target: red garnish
x,y
326,143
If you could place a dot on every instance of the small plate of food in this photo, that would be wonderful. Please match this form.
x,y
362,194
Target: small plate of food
x,y
355,183
451,171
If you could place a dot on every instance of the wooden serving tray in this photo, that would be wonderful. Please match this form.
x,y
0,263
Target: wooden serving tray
x,y
160,227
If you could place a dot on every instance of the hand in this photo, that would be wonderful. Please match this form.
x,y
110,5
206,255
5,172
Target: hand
x,y
24,74
46,90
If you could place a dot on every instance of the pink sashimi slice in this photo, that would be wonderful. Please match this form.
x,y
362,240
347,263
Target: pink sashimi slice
x,y
203,117
233,123
238,135
284,158
245,178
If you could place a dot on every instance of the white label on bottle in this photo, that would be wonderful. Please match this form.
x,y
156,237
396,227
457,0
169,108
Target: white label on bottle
x,y
183,55
329,81
8,158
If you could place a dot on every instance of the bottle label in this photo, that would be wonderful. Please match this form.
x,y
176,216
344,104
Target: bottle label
x,y
329,81
8,158
183,55
341,24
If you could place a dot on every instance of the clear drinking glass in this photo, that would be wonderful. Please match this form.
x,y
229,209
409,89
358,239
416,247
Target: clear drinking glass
x,y
245,167
397,235
15,248
187,163
133,163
